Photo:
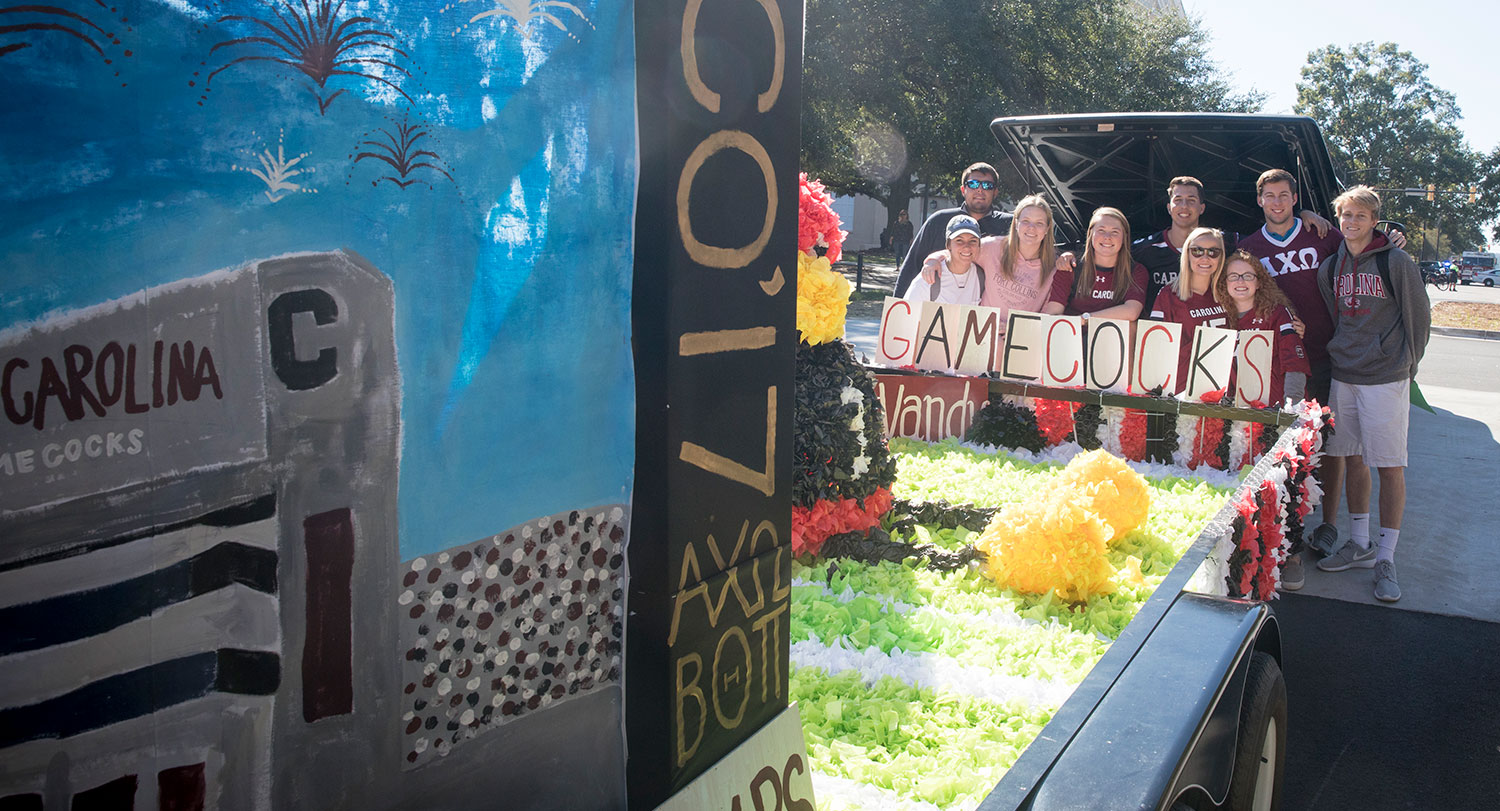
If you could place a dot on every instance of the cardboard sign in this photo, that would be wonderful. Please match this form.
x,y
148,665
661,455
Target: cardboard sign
x,y
1253,358
898,333
979,339
935,349
768,771
1211,359
1062,351
1107,361
1155,361
930,408
1021,358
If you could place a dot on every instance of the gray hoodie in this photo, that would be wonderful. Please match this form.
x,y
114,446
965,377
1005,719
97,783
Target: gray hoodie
x,y
1379,334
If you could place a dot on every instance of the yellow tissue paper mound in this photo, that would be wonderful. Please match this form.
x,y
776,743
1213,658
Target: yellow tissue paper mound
x,y
1049,543
1108,486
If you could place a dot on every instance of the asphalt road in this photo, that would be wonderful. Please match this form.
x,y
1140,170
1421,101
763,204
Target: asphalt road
x,y
1471,364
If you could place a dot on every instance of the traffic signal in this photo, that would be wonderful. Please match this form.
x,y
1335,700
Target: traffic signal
x,y
1431,192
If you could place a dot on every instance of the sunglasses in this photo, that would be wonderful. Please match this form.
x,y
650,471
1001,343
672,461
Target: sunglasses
x,y
987,185
1213,253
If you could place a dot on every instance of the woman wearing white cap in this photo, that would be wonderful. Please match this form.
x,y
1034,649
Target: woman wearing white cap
x,y
960,279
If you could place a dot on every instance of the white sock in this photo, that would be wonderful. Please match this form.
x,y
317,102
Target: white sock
x,y
1387,549
1359,529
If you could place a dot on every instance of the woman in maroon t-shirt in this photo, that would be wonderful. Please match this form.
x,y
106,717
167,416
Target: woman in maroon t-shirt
x,y
1098,288
1252,299
1190,301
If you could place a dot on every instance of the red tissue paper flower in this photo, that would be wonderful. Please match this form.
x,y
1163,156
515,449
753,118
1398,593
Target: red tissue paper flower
x,y
811,526
1249,541
1054,418
817,225
1133,435
1206,443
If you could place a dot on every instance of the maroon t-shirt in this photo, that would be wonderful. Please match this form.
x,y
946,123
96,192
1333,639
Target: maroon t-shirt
x,y
1200,308
1102,297
1287,355
1293,263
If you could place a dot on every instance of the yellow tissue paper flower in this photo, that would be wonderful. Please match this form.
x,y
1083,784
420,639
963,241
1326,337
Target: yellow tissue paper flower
x,y
1109,487
1050,543
822,300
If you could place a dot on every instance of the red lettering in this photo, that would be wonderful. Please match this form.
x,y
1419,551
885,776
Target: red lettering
x,y
906,343
1259,375
1071,372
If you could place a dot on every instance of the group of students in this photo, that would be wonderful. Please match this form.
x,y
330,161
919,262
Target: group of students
x,y
1348,308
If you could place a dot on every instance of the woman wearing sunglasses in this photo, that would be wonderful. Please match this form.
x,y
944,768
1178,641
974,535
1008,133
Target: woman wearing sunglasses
x,y
1108,283
1190,301
1019,266
1253,301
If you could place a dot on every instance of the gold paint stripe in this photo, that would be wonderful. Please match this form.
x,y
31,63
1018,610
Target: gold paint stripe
x,y
725,340
699,456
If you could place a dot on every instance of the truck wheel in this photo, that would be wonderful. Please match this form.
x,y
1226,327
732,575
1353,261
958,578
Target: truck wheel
x,y
1260,755
1489,282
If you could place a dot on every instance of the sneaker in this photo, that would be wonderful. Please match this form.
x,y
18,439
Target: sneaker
x,y
1291,573
1324,539
1386,588
1348,556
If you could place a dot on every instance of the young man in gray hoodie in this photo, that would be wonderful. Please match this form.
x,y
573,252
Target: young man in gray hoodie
x,y
1381,317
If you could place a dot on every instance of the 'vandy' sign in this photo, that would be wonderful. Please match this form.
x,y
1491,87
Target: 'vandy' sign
x,y
1057,350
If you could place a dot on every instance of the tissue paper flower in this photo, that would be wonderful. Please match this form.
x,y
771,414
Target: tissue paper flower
x,y
817,225
1107,486
822,300
1053,543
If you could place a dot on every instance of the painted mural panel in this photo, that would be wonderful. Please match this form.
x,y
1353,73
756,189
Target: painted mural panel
x,y
312,315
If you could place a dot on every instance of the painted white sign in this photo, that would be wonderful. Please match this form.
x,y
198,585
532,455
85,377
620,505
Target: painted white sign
x,y
1253,359
768,771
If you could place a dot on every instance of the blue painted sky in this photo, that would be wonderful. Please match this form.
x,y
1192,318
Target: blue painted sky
x,y
510,250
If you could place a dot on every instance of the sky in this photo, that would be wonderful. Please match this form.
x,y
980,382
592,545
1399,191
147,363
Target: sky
x,y
1454,38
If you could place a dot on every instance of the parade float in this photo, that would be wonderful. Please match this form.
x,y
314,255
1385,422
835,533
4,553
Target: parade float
x,y
958,595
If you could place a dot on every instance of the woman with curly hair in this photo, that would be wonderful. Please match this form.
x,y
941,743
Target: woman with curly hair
x,y
1248,293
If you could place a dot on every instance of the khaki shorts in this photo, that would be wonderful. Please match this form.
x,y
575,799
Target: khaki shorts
x,y
1370,421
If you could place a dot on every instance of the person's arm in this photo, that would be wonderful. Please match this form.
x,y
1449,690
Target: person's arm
x,y
929,238
1135,298
932,264
1128,310
1325,286
1416,311
1294,385
1319,223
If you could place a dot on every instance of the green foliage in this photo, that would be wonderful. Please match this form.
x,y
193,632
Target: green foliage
x,y
1389,126
897,94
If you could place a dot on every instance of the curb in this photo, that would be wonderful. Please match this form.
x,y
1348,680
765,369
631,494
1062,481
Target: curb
x,y
1461,332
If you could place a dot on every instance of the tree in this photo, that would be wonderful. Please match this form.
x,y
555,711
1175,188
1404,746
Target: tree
x,y
1389,126
901,94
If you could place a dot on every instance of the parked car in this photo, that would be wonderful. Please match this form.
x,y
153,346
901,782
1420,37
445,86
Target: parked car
x,y
1488,278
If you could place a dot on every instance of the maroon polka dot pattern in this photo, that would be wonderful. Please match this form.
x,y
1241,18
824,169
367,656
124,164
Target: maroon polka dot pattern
x,y
509,625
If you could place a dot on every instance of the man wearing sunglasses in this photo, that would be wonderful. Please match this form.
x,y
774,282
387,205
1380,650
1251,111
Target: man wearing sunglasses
x,y
979,187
